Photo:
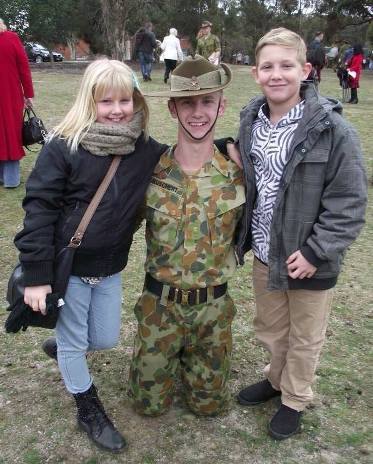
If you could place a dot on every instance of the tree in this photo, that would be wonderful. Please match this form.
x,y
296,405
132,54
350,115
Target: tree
x,y
14,13
116,15
370,34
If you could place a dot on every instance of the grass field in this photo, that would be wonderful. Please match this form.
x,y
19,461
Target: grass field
x,y
37,416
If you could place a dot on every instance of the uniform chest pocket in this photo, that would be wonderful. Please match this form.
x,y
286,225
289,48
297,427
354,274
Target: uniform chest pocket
x,y
223,214
163,213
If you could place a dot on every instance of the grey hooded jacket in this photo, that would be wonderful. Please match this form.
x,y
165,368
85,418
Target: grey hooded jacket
x,y
322,195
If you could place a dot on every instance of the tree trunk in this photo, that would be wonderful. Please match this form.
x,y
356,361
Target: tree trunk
x,y
115,14
71,43
114,17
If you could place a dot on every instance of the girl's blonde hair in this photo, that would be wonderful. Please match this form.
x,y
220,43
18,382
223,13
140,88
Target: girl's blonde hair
x,y
284,38
100,77
2,26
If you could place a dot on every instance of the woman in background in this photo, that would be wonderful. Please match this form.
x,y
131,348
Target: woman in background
x,y
16,94
171,52
354,67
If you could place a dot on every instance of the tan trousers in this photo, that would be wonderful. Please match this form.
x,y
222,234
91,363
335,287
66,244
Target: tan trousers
x,y
291,325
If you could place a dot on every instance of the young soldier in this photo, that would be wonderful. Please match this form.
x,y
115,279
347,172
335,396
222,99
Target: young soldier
x,y
193,205
303,165
208,44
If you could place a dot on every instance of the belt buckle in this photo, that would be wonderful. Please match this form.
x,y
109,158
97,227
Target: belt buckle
x,y
184,295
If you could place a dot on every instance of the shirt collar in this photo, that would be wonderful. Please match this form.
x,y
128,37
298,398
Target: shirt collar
x,y
219,162
291,117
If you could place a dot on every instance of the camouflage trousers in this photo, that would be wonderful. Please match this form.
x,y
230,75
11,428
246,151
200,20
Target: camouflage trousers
x,y
193,342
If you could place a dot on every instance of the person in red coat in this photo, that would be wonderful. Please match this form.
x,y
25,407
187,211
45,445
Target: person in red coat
x,y
16,93
354,67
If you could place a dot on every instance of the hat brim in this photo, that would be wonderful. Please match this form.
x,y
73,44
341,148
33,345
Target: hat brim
x,y
191,93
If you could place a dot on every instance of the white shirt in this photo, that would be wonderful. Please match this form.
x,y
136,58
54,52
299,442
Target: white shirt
x,y
171,48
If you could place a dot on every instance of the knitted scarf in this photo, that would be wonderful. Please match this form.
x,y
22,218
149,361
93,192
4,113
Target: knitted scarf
x,y
116,139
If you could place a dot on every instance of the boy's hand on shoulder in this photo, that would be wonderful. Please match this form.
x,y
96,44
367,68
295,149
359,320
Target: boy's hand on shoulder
x,y
299,267
234,154
35,297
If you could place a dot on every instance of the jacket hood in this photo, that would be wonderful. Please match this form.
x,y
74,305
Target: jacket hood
x,y
331,104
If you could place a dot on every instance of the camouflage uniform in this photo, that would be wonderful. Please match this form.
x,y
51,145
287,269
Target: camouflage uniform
x,y
206,45
191,220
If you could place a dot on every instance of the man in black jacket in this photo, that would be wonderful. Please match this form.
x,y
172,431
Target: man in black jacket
x,y
316,54
145,43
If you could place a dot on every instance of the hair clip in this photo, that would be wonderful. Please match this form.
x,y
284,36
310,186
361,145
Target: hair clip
x,y
135,81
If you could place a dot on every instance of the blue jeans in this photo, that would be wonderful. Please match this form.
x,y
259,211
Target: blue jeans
x,y
9,173
146,63
88,321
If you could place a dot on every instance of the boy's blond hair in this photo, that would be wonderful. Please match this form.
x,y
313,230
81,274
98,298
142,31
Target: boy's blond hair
x,y
100,77
3,27
283,38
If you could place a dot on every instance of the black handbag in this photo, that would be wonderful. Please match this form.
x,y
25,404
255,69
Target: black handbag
x,y
21,315
33,129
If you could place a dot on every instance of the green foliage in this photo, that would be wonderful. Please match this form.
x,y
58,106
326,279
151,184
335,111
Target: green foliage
x,y
14,14
106,24
53,21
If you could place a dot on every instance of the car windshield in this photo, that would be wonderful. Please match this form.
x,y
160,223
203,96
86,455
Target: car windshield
x,y
40,47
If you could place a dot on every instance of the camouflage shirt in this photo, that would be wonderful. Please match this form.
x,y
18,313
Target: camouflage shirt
x,y
191,221
207,45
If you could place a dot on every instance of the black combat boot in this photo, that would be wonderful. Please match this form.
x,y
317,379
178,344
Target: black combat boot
x,y
94,421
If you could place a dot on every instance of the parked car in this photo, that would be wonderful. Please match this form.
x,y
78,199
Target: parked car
x,y
57,56
39,53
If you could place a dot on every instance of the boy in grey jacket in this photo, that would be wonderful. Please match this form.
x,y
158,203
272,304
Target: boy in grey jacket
x,y
305,203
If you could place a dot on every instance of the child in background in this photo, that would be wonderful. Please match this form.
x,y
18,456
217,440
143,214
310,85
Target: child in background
x,y
306,194
109,117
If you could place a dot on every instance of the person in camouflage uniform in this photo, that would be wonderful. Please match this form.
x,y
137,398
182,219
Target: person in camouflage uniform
x,y
193,205
208,45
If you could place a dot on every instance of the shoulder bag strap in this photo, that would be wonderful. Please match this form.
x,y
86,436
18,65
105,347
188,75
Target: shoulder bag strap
x,y
77,238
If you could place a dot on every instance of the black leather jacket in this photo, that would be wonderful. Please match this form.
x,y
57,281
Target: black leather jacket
x,y
58,192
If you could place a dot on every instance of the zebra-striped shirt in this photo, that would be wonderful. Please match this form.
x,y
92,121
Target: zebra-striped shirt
x,y
269,148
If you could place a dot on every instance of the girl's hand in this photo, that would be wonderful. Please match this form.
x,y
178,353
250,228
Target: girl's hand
x,y
28,102
234,154
35,297
299,267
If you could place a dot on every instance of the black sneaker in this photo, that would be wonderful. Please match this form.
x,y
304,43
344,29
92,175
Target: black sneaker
x,y
257,393
285,423
49,347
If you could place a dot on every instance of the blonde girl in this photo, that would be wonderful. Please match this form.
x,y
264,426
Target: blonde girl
x,y
109,117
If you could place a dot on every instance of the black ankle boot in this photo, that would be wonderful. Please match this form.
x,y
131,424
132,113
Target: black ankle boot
x,y
354,98
94,421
